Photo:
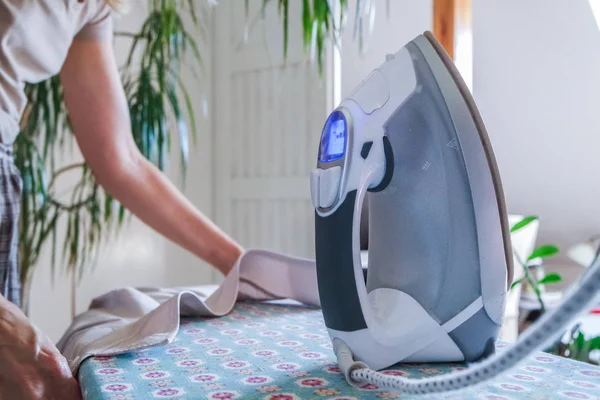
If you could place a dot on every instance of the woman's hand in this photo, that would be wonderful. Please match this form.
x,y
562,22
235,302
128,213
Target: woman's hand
x,y
30,365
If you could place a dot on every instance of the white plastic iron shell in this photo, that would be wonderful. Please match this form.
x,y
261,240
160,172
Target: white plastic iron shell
x,y
397,327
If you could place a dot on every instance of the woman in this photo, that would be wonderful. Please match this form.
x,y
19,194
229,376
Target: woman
x,y
38,39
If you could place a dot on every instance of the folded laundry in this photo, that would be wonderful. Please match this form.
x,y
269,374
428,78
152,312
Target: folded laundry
x,y
131,319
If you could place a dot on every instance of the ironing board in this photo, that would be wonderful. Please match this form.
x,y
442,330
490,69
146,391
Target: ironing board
x,y
281,351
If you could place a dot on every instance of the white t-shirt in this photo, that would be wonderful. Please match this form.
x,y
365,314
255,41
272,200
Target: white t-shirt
x,y
35,36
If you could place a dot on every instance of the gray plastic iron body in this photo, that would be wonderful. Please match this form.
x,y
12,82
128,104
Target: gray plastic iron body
x,y
411,139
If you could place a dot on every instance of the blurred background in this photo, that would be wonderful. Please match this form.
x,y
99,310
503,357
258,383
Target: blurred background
x,y
532,67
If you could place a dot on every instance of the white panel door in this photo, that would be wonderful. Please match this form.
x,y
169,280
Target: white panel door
x,y
268,118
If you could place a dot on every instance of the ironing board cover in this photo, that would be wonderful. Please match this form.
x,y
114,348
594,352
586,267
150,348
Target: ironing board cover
x,y
274,351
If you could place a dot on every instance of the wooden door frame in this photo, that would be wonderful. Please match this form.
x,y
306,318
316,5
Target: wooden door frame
x,y
451,18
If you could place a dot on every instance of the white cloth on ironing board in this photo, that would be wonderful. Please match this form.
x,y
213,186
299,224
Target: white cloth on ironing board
x,y
135,318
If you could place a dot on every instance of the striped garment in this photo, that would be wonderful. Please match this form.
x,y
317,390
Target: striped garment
x,y
10,190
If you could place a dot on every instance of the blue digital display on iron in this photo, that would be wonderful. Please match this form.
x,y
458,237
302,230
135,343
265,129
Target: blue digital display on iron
x,y
333,139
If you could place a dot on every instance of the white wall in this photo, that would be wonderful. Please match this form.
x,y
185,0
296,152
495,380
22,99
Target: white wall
x,y
140,257
537,83
391,31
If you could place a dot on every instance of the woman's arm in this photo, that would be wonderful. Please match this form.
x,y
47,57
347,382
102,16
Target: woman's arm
x,y
99,113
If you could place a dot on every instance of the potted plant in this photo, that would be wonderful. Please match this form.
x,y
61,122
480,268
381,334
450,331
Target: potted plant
x,y
159,106
573,344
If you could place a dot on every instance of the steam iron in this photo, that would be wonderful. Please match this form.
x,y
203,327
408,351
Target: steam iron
x,y
440,257
410,138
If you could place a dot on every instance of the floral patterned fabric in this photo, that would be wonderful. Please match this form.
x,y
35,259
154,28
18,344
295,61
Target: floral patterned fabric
x,y
282,352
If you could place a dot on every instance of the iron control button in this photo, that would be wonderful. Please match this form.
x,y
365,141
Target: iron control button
x,y
373,93
364,152
329,184
314,187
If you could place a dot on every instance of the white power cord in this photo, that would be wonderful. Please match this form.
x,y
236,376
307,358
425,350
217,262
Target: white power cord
x,y
551,325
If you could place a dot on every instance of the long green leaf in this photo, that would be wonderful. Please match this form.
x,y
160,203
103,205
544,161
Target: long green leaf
x,y
307,23
195,50
50,229
515,283
193,12
543,252
284,6
68,234
181,128
108,205
190,109
523,223
74,248
580,342
53,255
550,278
121,213
595,343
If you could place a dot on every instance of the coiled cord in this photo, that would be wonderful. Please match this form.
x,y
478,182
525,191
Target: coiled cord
x,y
579,299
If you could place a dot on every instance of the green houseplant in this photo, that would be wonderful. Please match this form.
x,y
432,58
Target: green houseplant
x,y
575,345
160,107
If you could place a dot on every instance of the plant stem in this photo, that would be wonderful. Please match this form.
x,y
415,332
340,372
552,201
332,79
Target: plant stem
x,y
532,282
63,170
73,295
75,205
70,207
